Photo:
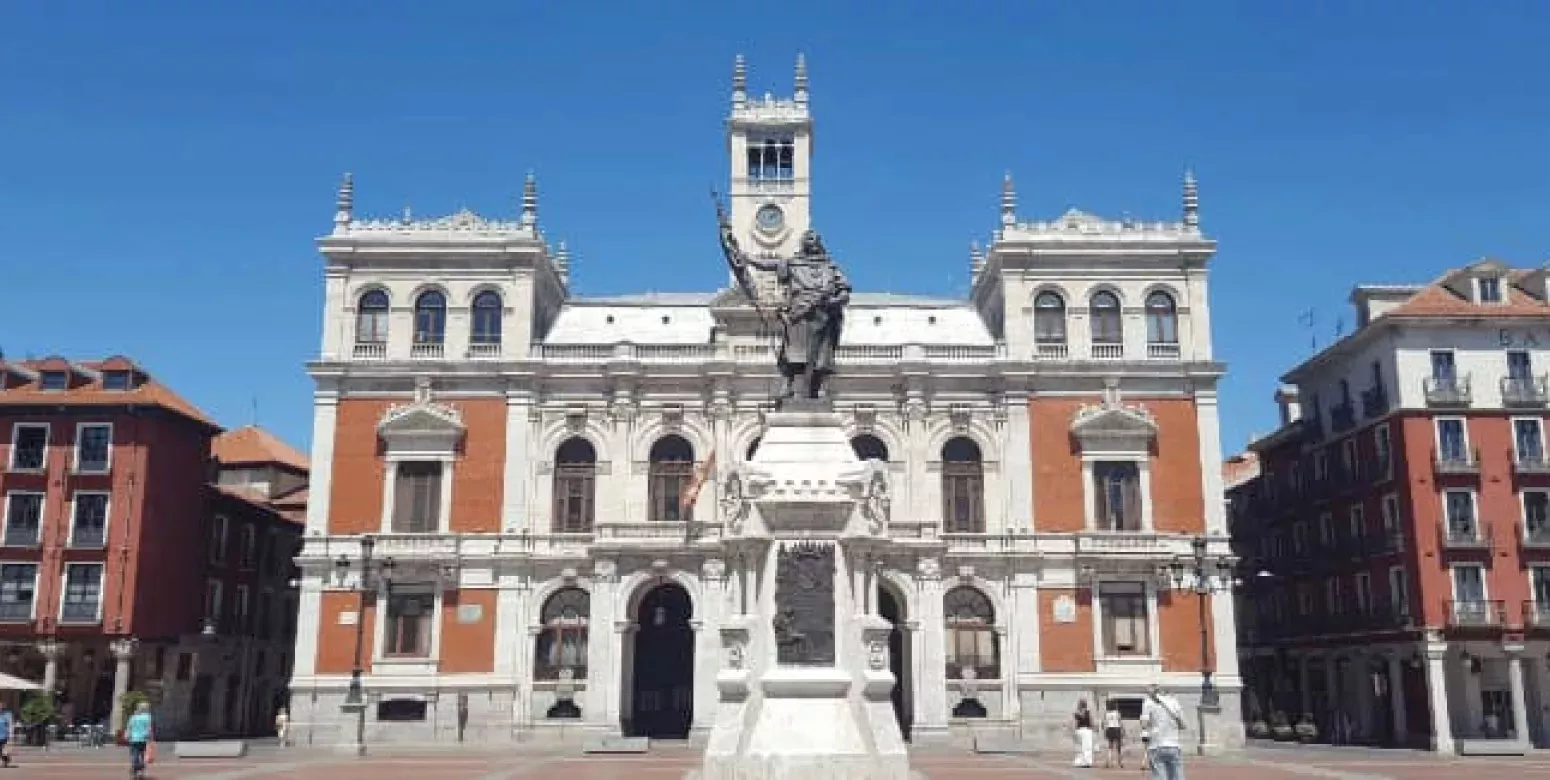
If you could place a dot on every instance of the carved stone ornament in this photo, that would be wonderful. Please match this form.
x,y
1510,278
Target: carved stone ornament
x,y
876,503
1113,425
421,416
928,568
804,604
959,416
877,656
713,569
673,416
734,502
735,655
604,569
576,419
866,418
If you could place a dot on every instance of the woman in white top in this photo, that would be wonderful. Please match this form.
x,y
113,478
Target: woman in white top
x,y
1084,735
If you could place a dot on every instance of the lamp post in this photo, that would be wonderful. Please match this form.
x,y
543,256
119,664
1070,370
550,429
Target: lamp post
x,y
355,698
1203,576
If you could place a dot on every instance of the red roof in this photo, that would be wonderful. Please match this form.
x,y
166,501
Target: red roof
x,y
20,385
252,444
1438,300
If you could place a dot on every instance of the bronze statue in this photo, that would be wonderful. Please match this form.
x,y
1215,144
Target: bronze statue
x,y
811,315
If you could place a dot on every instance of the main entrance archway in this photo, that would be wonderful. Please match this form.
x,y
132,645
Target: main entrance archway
x,y
891,607
662,666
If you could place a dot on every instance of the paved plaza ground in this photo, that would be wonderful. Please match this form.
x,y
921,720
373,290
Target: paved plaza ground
x,y
671,762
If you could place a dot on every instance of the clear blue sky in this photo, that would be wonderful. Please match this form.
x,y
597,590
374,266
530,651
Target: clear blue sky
x,y
165,167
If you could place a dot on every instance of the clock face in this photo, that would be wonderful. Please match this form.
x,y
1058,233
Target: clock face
x,y
770,218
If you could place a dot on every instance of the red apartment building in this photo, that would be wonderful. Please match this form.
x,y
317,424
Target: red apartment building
x,y
107,515
1396,531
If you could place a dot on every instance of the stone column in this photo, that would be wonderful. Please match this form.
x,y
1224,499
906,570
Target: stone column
x,y
50,649
1437,690
601,708
1514,653
931,697
123,652
1397,698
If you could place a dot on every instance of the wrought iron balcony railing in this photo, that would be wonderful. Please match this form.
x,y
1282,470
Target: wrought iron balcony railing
x,y
1476,613
1447,390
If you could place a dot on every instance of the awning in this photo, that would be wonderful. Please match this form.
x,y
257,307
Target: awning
x,y
11,683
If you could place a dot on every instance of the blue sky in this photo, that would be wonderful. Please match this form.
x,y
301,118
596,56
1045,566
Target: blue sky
x,y
165,166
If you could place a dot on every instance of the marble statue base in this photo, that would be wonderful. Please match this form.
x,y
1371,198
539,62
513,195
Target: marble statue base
x,y
826,716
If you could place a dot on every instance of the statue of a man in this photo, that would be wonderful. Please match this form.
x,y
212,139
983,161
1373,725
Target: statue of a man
x,y
812,313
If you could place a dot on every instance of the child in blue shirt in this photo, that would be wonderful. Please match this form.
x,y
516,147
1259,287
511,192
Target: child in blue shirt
x,y
138,732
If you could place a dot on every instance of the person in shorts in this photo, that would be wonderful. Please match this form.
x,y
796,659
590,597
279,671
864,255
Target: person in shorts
x,y
1113,737
139,732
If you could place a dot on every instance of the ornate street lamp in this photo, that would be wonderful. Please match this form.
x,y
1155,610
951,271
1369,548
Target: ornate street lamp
x,y
372,572
1200,574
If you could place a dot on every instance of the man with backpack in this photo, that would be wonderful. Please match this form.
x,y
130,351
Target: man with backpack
x,y
1162,718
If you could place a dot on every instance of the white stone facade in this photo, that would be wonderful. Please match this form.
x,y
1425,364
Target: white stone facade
x,y
920,376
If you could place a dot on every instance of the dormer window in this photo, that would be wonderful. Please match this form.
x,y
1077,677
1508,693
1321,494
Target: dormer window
x,y
117,380
54,380
1488,289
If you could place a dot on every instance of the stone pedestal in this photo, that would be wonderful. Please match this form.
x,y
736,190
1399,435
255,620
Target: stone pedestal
x,y
804,683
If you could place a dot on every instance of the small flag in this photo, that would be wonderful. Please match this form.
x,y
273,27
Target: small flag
x,y
692,492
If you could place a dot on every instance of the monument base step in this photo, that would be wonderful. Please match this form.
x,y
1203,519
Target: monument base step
x,y
616,745
1002,744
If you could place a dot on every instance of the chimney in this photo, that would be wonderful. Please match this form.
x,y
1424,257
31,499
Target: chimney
x,y
1291,406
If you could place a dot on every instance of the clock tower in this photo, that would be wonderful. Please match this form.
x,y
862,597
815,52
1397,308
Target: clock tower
x,y
770,140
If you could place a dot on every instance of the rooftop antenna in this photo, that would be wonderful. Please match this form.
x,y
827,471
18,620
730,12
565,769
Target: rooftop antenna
x,y
255,411
1306,319
1339,327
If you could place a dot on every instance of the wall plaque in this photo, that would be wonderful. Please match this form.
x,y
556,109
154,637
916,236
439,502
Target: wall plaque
x,y
1065,609
470,613
347,618
804,605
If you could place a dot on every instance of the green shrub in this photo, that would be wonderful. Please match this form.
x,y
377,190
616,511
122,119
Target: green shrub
x,y
38,709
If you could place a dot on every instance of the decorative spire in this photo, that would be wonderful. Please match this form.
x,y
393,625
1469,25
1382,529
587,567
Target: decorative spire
x,y
1191,201
976,261
1008,200
562,262
801,79
344,204
530,201
739,81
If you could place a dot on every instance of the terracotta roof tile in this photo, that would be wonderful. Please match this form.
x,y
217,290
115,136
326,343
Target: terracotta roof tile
x,y
252,444
86,389
1436,300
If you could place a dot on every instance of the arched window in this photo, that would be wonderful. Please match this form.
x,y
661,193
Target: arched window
x,y
971,634
1105,317
371,318
869,447
672,468
487,318
1162,319
575,483
1049,318
963,487
562,638
430,318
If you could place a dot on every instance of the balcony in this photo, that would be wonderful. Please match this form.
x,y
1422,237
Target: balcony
x,y
1535,537
1108,352
1447,391
1456,462
1530,463
484,351
1343,417
1525,392
1476,614
427,351
1375,401
1536,617
1464,535
1162,351
370,350
1051,350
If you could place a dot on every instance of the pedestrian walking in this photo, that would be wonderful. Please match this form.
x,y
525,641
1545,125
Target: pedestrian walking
x,y
7,726
1113,737
140,733
1163,718
1084,735
282,726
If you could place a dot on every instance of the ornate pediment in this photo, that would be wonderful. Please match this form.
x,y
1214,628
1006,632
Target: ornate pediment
x,y
1113,425
421,425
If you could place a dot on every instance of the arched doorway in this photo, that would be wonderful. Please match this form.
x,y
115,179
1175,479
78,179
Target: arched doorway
x,y
662,667
891,607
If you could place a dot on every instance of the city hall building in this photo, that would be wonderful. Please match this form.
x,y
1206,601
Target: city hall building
x,y
515,528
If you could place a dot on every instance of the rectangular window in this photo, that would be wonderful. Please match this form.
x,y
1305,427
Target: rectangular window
x,y
1528,440
1469,583
1326,530
214,602
248,547
417,497
1320,466
23,519
1444,370
1399,591
239,609
54,380
1117,493
1459,506
772,159
1305,599
1536,515
1390,513
89,522
82,602
1334,596
1520,367
1300,537
117,380
218,526
1539,585
1362,590
93,448
1358,522
1383,451
409,612
18,589
1490,289
1452,446
29,447
1126,630
1348,457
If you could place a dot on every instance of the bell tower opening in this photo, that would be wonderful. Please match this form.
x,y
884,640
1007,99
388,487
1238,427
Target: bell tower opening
x,y
770,141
